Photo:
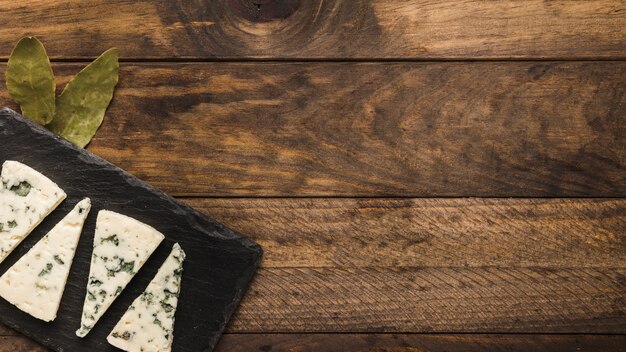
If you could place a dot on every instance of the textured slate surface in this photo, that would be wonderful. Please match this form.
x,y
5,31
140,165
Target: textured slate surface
x,y
218,269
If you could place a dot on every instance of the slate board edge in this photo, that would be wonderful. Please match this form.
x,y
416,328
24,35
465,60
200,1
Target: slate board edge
x,y
229,234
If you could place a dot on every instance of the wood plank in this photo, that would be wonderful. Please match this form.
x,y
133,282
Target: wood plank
x,y
418,343
422,29
389,343
488,299
556,233
516,300
393,129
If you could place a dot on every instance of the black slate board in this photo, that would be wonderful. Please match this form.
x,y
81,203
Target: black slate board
x,y
217,271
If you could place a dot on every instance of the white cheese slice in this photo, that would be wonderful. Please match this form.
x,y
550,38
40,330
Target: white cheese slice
x,y
26,198
148,324
121,247
35,283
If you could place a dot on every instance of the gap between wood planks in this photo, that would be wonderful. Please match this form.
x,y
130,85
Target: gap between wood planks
x,y
417,342
302,342
333,60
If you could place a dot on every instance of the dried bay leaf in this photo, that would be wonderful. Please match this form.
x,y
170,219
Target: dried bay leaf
x,y
30,81
81,106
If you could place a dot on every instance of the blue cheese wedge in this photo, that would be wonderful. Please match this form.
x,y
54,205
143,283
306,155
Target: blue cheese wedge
x,y
35,283
148,324
26,198
121,247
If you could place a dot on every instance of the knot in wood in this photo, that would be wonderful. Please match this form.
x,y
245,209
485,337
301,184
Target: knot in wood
x,y
264,10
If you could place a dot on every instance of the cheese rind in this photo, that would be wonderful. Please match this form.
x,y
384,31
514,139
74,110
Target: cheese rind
x,y
26,198
148,324
35,283
121,247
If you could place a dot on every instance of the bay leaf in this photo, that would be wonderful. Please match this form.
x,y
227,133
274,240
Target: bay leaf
x,y
81,106
30,81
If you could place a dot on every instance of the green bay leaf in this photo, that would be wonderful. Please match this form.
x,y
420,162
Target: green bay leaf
x,y
30,80
81,106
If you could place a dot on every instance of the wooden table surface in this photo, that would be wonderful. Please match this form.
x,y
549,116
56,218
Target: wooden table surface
x,y
423,175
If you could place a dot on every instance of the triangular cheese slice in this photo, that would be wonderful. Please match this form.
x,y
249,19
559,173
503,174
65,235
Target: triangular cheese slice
x,y
26,198
35,283
148,324
121,247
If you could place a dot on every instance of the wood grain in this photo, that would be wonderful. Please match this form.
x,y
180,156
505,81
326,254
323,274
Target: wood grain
x,y
418,343
429,232
384,129
19,344
487,299
389,343
314,29
379,274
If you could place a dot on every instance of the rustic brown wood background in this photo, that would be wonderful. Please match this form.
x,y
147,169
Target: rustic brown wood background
x,y
423,175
